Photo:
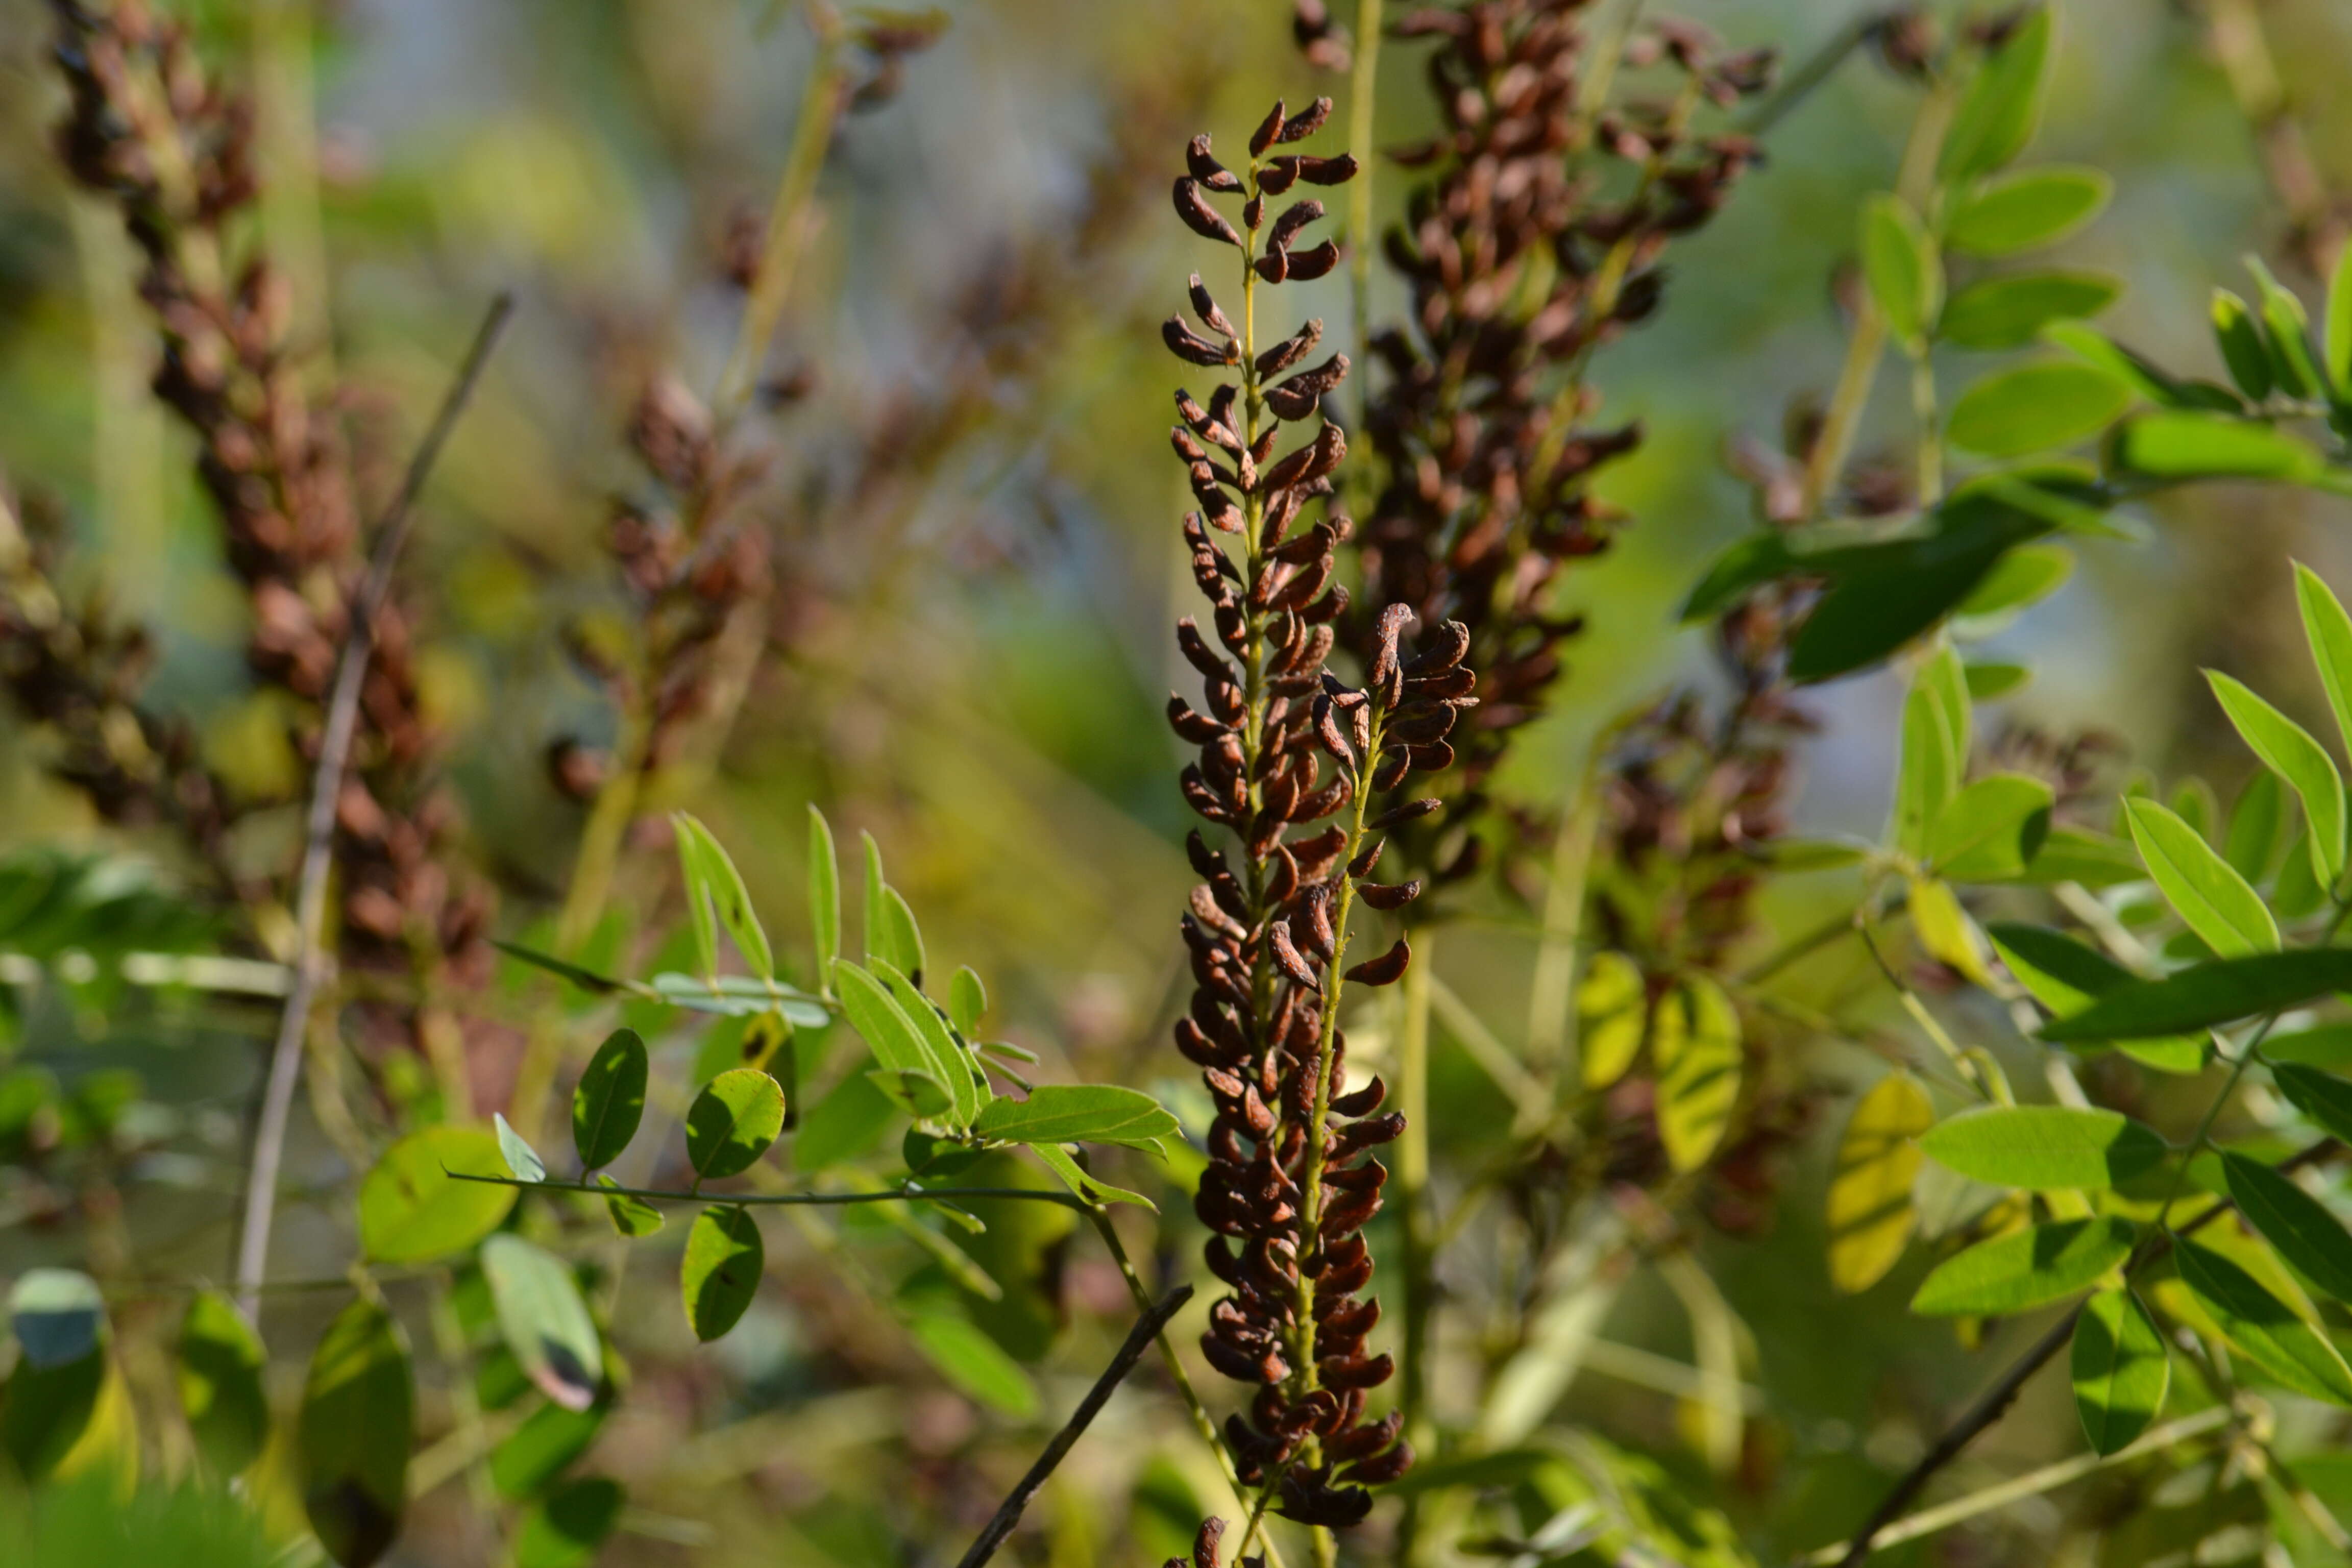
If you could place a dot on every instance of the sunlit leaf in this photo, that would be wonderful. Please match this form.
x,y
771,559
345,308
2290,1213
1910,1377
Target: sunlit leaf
x,y
358,1423
724,1256
2328,629
1870,1213
2174,444
2203,888
220,1369
2121,1370
1945,929
1694,1041
824,896
2025,1268
952,1063
2027,209
2044,1147
2026,575
610,1100
1083,1181
544,1321
2002,105
1991,830
967,1002
2301,763
732,1121
411,1212
1612,1007
631,1216
2036,407
1078,1113
2063,976
2265,1328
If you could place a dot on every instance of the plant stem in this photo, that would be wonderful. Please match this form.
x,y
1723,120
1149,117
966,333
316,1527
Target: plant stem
x,y
1008,1515
341,726
1413,1198
909,1194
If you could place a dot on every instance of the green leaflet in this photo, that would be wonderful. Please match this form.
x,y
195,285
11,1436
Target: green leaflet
x,y
543,1320
2301,763
967,1002
714,889
2251,845
358,1421
1869,1210
1991,830
610,1100
2027,209
2063,975
2202,887
565,1528
2044,1147
2010,313
220,1370
952,1063
2326,1099
1082,1182
2328,630
1900,263
1997,117
825,896
2310,1238
2189,445
2263,1327
2035,408
1612,1007
732,1121
1694,1042
520,1158
2121,1370
720,1274
975,1364
411,1212
2025,1268
543,1446
2241,342
2206,994
1930,769
631,1216
1078,1113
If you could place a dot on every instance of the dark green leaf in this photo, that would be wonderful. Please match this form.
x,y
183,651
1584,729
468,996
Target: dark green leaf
x,y
2312,1240
2323,1097
2025,1268
2010,313
2044,1147
411,1212
2035,408
221,1366
2263,1327
610,1100
358,1423
724,1255
2063,975
1883,596
732,1121
2121,1370
586,979
2240,340
2206,994
2030,208
543,1320
564,1528
542,1447
1078,1113
2286,335
1757,559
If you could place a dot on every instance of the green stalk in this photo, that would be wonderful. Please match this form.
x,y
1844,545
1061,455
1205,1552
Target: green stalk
x,y
1412,1197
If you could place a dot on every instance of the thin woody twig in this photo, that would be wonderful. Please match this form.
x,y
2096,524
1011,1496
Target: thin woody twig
x,y
910,1194
1138,1340
327,786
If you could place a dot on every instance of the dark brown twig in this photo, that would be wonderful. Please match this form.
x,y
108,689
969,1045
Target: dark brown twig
x,y
1138,1340
318,858
1996,1400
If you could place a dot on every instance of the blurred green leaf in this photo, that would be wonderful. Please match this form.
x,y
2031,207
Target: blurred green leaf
x,y
2027,209
564,1528
220,1369
2323,1097
2010,313
411,1212
2121,1370
2205,994
2262,1327
825,896
715,889
530,1458
544,1321
1870,1213
974,1363
2301,763
1695,1042
1990,830
358,1423
2311,1239
521,1159
631,1216
2193,446
2241,341
1613,1003
2025,1268
2035,408
2002,106
1900,260
2044,1148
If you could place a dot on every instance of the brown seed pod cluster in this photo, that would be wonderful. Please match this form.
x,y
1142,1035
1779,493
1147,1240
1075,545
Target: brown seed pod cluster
x,y
1290,1182
148,129
1535,238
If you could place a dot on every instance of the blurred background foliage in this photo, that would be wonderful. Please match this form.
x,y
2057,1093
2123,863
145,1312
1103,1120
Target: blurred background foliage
x,y
975,543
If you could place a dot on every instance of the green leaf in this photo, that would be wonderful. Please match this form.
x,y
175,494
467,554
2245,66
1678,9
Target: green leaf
x,y
2216,902
1883,594
732,1121
2326,1099
1082,1182
1900,263
2338,349
825,895
2025,1268
520,1158
2121,1370
1945,929
714,887
2312,1240
1928,769
2003,104
2093,347
882,1024
724,1255
2063,976
2028,209
2286,334
975,1364
221,1366
2079,855
741,996
2035,408
2265,1328
1991,830
358,1423
565,1528
1992,682
951,1063
2252,843
848,1123
2010,313
967,1002
411,1212
2324,1046
2241,341
1870,1213
631,1216
891,934
544,1447
2026,575
2198,446
2206,994
586,979
2328,630
1754,559
543,1320
2301,763
1695,1042
610,1100
1612,1009
914,1091
2044,1147
58,1315
1078,1113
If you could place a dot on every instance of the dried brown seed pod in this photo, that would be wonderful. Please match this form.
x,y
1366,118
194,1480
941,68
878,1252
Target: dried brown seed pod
x,y
1199,216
